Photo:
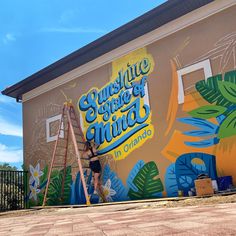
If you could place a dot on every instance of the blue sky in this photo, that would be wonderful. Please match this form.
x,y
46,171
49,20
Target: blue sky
x,y
34,34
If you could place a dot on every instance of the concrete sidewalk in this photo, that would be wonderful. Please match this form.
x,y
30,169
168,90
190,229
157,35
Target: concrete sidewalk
x,y
130,219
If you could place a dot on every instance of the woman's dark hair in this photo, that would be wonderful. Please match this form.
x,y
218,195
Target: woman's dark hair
x,y
87,145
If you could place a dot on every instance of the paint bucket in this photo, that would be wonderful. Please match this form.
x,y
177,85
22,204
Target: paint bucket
x,y
225,182
215,185
180,193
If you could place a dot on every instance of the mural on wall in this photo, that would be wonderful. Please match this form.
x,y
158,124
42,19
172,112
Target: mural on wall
x,y
118,116
223,52
34,181
57,195
212,109
213,122
142,183
181,174
221,94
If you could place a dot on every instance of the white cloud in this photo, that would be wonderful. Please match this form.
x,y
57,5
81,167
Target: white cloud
x,y
7,128
6,100
9,155
9,37
71,30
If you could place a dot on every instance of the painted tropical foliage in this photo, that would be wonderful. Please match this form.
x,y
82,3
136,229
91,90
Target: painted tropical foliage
x,y
56,194
142,182
113,188
181,174
217,120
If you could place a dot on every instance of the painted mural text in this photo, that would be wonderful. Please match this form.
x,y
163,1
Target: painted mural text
x,y
117,111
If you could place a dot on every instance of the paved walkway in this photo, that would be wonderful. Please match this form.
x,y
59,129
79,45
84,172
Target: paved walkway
x,y
130,219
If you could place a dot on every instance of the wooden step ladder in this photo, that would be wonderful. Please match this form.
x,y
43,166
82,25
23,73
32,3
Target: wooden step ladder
x,y
68,127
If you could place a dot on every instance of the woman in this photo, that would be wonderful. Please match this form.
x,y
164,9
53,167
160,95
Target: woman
x,y
94,164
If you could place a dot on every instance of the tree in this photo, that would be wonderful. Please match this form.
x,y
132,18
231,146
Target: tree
x,y
6,166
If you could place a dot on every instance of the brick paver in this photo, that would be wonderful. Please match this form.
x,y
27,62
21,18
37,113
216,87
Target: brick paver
x,y
125,220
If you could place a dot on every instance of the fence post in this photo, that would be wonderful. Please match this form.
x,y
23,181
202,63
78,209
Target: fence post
x,y
13,190
26,202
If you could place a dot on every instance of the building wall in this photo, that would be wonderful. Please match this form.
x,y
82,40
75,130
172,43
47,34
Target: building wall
x,y
178,120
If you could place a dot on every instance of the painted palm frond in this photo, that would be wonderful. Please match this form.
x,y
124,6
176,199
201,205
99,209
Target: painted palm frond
x,y
201,124
55,195
147,183
228,126
210,91
230,76
203,143
221,94
138,166
205,129
207,112
120,191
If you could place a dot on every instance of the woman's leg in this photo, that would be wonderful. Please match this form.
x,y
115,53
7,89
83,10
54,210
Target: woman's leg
x,y
96,181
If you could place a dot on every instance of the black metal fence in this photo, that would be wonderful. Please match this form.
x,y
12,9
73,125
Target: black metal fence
x,y
13,190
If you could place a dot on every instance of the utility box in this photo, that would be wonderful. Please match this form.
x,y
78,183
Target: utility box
x,y
204,187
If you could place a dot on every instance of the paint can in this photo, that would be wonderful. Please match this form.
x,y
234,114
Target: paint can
x,y
180,193
215,185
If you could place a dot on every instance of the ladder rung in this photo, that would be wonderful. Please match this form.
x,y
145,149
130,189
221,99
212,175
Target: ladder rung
x,y
63,139
64,131
73,118
79,134
59,155
75,126
62,147
80,142
80,139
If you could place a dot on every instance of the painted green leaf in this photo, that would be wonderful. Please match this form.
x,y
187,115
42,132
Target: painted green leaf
x,y
207,112
228,126
146,182
40,197
55,196
209,90
228,90
43,178
230,76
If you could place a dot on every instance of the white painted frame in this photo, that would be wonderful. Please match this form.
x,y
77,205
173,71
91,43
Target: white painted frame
x,y
205,65
48,122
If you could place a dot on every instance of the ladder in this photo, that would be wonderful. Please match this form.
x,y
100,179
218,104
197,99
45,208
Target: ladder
x,y
68,126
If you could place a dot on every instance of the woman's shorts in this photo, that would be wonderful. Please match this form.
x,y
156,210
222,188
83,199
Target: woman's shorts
x,y
95,166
